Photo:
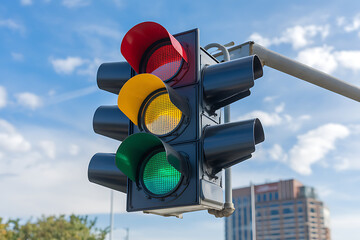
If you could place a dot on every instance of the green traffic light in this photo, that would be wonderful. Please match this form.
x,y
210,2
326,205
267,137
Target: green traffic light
x,y
159,177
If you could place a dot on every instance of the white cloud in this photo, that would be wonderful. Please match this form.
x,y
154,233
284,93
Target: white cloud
x,y
324,58
29,100
327,60
74,149
348,59
340,21
348,158
343,164
276,118
11,24
3,97
26,2
345,226
267,119
256,37
91,68
76,65
298,36
314,145
75,3
11,140
324,191
354,25
59,186
71,95
49,148
241,177
270,98
17,56
280,108
277,153
51,92
320,58
119,3
67,65
103,31
301,36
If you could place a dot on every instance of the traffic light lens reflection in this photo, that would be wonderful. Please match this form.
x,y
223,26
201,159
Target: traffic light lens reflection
x,y
159,177
164,62
161,115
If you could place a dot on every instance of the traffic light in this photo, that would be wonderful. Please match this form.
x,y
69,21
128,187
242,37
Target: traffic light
x,y
177,146
111,122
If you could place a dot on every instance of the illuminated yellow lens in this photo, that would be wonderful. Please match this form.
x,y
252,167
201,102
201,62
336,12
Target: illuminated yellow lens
x,y
161,116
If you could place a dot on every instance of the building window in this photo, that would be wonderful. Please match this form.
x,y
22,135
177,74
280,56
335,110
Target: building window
x,y
274,223
258,198
274,212
275,234
288,204
276,196
288,210
312,210
270,196
300,209
258,214
264,197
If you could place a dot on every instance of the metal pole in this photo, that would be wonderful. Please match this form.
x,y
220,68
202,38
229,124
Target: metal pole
x,y
111,213
253,215
127,234
294,68
306,73
228,187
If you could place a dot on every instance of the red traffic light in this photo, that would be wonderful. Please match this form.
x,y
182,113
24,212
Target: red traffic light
x,y
149,48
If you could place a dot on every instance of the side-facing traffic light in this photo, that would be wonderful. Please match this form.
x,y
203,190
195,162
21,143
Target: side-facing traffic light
x,y
110,122
176,146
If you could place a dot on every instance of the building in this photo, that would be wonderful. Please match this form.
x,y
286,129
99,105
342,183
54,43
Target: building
x,y
284,210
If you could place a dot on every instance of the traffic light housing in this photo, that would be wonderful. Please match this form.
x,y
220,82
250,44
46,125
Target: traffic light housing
x,y
176,146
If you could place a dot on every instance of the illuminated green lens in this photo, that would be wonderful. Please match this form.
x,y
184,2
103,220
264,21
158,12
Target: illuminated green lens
x,y
159,176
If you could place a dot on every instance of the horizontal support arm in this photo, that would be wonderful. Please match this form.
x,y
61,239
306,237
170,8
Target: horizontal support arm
x,y
294,68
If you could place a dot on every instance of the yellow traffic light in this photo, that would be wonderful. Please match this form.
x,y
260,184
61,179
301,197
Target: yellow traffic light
x,y
160,116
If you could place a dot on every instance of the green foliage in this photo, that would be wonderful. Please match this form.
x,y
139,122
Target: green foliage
x,y
52,228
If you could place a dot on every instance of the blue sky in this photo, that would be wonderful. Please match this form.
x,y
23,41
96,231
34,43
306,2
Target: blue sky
x,y
50,51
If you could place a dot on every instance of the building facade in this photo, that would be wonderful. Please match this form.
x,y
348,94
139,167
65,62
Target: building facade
x,y
284,210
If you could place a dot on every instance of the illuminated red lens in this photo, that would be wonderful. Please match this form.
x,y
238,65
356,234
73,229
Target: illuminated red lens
x,y
165,62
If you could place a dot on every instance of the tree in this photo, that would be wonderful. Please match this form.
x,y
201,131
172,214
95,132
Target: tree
x,y
52,228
